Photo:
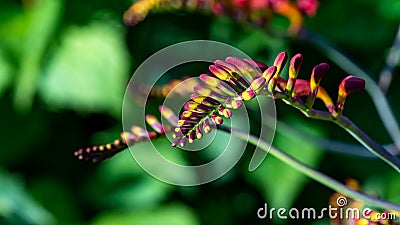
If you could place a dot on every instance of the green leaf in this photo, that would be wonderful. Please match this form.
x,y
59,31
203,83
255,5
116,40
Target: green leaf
x,y
221,29
12,29
393,187
5,73
124,184
88,72
51,192
42,19
279,183
17,206
255,41
389,9
121,167
145,193
176,214
385,186
375,186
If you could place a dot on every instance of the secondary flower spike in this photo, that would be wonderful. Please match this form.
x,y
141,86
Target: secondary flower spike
x,y
257,12
136,135
308,7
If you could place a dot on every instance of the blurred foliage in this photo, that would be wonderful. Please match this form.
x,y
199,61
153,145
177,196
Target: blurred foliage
x,y
16,204
167,214
74,82
64,66
283,192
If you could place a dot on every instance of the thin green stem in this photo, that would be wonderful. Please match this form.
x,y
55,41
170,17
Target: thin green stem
x,y
377,96
334,146
310,172
360,136
370,144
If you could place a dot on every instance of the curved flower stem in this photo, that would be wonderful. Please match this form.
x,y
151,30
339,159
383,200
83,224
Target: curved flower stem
x,y
310,172
377,96
358,134
346,124
334,146
365,140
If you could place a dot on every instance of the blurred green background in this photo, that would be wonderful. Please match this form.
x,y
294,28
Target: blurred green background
x,y
64,66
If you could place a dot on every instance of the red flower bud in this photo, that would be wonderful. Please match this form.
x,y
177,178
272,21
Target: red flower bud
x,y
317,73
295,64
350,85
280,62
